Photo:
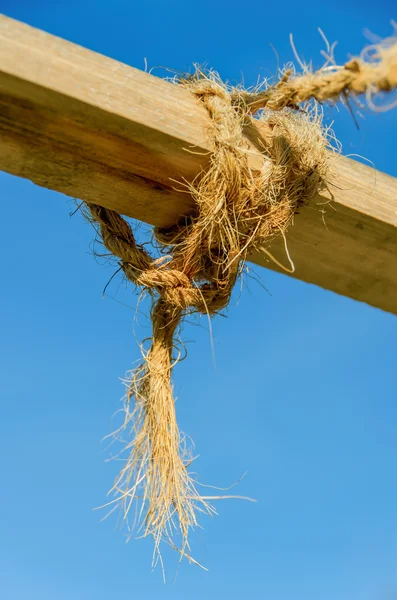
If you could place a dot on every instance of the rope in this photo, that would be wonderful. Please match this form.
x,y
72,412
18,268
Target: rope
x,y
356,77
238,210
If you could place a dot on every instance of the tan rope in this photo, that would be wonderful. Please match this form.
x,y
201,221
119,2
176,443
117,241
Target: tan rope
x,y
356,77
238,209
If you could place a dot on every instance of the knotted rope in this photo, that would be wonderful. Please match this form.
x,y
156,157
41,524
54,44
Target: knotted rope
x,y
238,209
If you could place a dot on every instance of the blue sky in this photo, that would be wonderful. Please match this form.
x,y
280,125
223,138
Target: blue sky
x,y
301,394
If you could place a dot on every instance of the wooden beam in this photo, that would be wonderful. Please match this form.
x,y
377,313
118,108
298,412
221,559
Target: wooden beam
x,y
77,122
350,248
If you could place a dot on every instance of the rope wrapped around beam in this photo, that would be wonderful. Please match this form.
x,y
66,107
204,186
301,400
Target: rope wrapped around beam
x,y
238,209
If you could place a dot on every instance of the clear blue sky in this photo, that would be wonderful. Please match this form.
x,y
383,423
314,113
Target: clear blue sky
x,y
303,394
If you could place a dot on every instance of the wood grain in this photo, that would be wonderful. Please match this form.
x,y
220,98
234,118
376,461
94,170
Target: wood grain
x,y
90,127
349,245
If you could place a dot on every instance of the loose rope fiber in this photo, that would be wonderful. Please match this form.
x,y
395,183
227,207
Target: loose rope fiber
x,y
237,209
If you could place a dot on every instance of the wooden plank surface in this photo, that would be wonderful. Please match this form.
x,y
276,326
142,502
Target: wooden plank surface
x,y
351,247
77,122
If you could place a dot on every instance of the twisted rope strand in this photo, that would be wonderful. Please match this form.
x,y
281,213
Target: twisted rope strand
x,y
356,77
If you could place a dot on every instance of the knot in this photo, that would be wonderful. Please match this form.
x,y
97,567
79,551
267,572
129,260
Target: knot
x,y
173,286
238,209
161,278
